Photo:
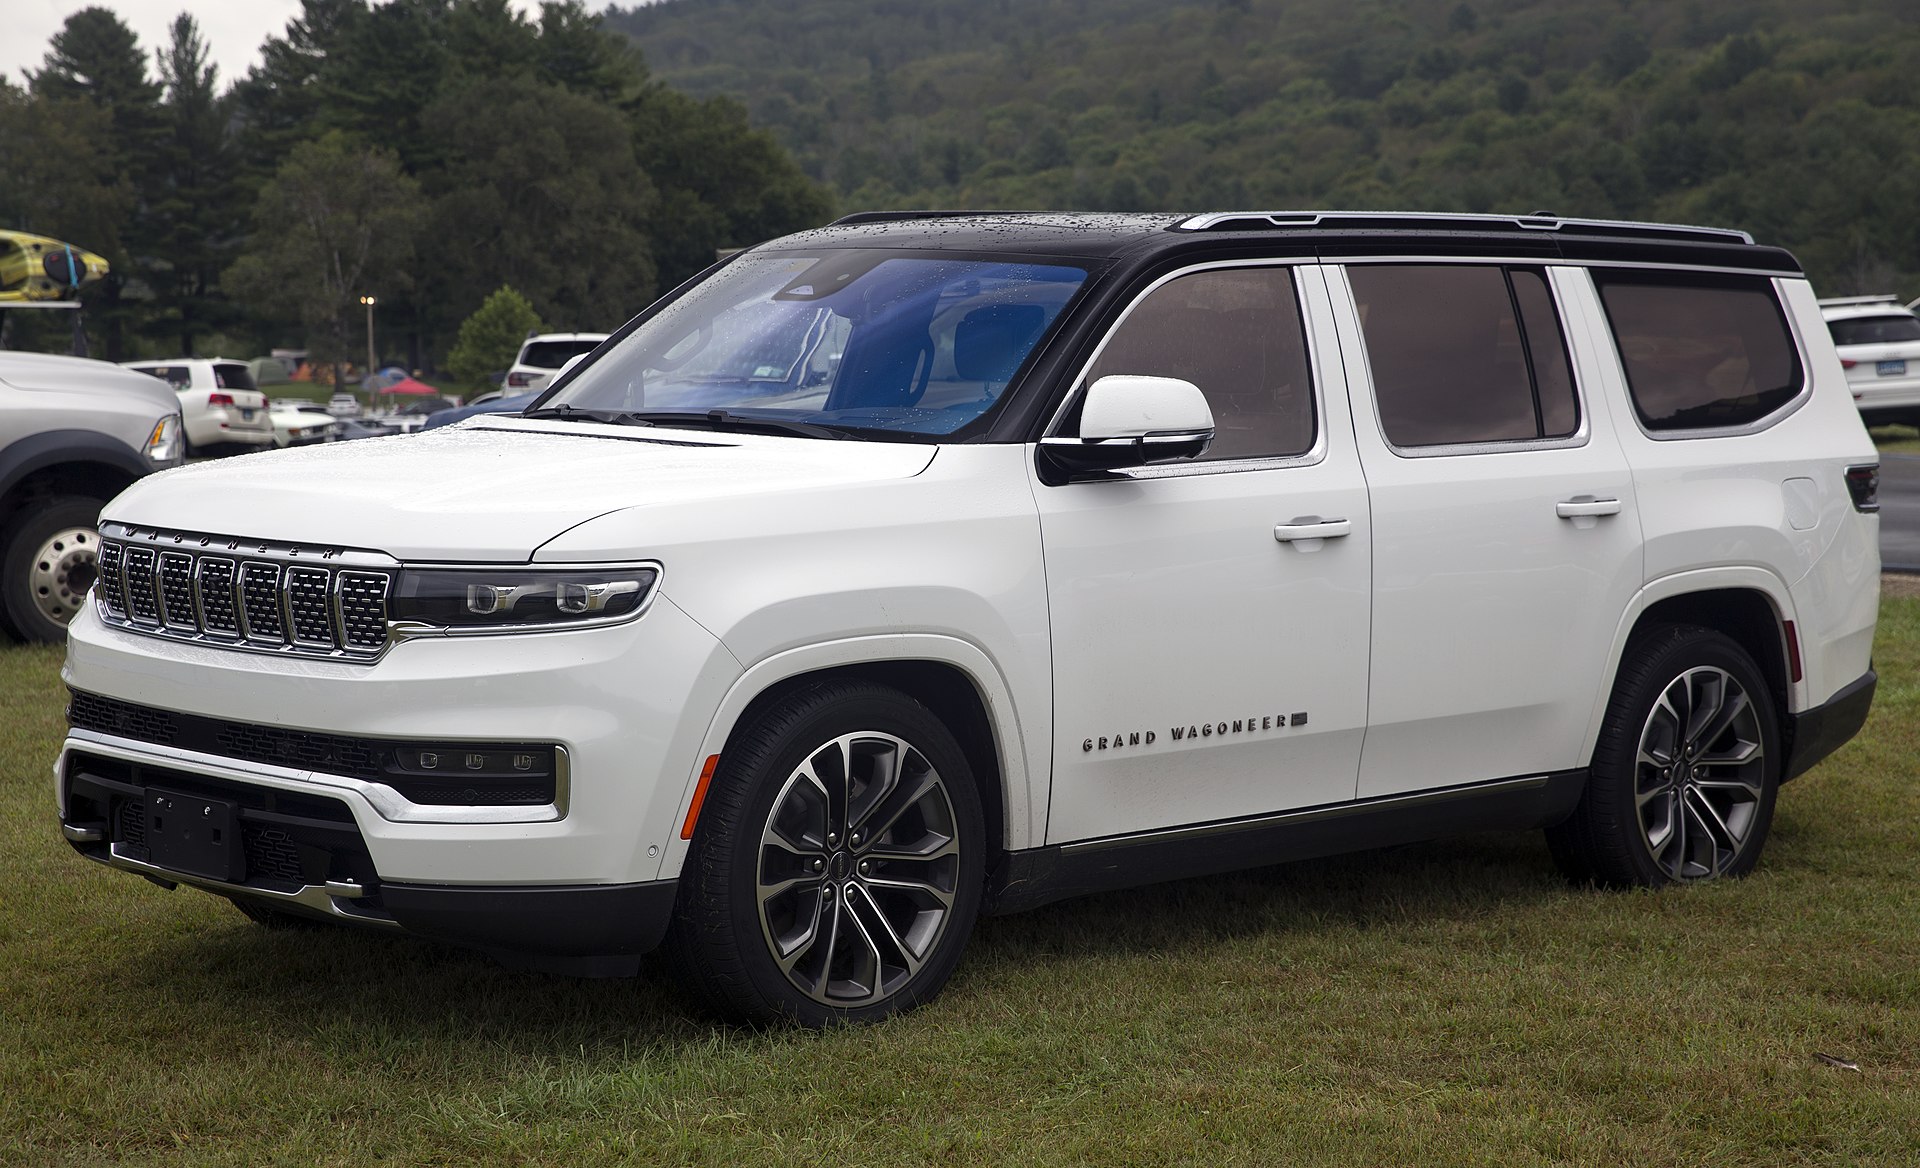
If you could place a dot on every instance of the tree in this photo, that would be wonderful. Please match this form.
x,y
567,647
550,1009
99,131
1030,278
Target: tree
x,y
490,338
336,222
540,190
96,59
193,207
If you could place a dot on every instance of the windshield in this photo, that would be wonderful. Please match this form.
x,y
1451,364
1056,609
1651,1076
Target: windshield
x,y
865,340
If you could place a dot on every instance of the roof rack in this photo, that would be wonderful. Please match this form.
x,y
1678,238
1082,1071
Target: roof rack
x,y
1438,220
1835,301
897,216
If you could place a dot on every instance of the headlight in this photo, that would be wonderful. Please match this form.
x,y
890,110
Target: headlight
x,y
517,599
163,445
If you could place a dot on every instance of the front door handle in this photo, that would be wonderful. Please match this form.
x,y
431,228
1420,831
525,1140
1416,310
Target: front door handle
x,y
1312,527
1581,506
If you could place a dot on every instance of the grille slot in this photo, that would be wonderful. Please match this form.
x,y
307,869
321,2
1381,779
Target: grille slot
x,y
142,603
260,601
295,599
217,614
306,591
363,609
113,584
176,591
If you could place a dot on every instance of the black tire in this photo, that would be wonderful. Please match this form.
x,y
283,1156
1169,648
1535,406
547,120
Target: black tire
x,y
1685,771
892,760
43,586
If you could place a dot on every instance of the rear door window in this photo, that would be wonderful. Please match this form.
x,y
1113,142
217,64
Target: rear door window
x,y
178,376
1464,354
1701,352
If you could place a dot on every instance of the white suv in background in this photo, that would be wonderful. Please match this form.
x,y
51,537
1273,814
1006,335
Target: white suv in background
x,y
542,355
929,565
1878,341
224,412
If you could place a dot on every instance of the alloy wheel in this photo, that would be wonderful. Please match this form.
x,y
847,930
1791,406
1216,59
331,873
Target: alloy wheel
x,y
858,867
62,570
1699,774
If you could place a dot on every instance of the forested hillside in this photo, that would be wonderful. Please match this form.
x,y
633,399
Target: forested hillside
x,y
1798,120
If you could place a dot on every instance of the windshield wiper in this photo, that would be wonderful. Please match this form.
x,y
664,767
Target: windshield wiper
x,y
723,420
567,413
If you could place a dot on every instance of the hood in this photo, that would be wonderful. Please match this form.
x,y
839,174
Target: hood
x,y
48,373
492,489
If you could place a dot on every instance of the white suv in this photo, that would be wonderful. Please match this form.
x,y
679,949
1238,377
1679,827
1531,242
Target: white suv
x,y
924,566
541,357
221,407
1879,346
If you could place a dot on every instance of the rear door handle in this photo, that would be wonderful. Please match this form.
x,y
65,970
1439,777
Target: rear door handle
x,y
1312,527
1583,505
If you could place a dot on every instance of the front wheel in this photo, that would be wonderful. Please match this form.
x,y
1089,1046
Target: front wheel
x,y
838,864
1685,771
49,557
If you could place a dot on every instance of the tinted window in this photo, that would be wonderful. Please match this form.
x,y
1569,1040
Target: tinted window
x,y
233,376
553,354
1237,335
1875,330
178,376
1464,354
1700,352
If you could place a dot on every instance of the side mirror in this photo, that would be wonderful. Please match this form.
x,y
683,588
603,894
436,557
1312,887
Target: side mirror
x,y
1131,421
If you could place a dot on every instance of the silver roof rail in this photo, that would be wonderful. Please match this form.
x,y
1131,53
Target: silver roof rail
x,y
1882,298
1445,220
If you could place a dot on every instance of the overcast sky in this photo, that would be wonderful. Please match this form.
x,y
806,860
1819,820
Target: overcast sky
x,y
233,28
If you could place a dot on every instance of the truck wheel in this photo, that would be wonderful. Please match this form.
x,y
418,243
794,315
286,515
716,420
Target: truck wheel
x,y
1685,771
49,558
838,863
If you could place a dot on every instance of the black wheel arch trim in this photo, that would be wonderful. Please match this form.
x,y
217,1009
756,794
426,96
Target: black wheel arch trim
x,y
1818,732
50,448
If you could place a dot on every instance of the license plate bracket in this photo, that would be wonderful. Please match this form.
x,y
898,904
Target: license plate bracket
x,y
195,835
1891,368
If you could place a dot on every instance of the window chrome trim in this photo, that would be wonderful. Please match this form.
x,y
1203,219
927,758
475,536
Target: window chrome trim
x,y
1559,262
388,803
1313,454
1581,434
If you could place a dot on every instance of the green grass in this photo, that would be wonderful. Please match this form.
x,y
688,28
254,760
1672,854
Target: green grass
x,y
1896,439
1450,1003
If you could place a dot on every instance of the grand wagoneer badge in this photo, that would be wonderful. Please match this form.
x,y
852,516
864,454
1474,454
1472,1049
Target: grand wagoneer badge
x,y
1222,729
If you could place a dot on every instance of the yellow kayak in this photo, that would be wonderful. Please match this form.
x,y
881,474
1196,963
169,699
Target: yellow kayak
x,y
34,267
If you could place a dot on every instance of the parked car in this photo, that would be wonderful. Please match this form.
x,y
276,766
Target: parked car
x,y
73,434
297,422
1878,340
931,565
222,409
542,355
351,428
491,405
344,405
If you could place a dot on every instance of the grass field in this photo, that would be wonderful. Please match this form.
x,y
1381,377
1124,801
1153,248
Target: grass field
x,y
1450,1003
1896,439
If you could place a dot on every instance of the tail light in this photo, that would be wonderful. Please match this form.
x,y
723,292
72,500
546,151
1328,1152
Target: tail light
x,y
219,399
519,380
1863,483
1846,364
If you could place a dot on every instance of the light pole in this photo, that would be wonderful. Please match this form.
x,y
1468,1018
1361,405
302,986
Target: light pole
x,y
371,360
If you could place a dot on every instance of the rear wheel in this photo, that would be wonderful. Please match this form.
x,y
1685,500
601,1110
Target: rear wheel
x,y
1685,772
838,863
49,557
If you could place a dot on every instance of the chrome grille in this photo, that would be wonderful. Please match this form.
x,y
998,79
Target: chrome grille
x,y
293,599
